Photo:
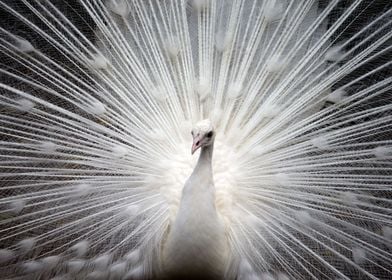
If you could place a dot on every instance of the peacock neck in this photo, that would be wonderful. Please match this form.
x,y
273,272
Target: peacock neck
x,y
205,159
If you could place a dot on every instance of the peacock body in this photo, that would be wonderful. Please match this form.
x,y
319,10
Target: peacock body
x,y
98,99
197,245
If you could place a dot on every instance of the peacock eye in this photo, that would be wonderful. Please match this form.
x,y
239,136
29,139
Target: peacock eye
x,y
209,134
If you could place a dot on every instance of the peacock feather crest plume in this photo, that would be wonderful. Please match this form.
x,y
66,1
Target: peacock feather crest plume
x,y
98,99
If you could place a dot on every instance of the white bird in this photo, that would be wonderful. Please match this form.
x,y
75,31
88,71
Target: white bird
x,y
97,102
197,246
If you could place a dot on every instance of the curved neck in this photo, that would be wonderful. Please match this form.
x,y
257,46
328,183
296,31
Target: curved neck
x,y
205,158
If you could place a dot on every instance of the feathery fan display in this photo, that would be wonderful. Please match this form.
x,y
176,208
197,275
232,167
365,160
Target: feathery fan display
x,y
97,102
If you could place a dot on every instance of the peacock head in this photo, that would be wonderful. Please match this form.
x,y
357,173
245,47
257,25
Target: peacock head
x,y
203,135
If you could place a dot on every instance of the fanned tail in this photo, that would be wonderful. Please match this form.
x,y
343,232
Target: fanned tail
x,y
97,103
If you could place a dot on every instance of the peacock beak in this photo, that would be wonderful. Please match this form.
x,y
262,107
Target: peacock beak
x,y
196,144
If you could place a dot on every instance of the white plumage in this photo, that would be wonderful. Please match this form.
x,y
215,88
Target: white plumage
x,y
97,102
197,244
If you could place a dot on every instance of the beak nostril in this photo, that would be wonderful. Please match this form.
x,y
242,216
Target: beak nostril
x,y
197,143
